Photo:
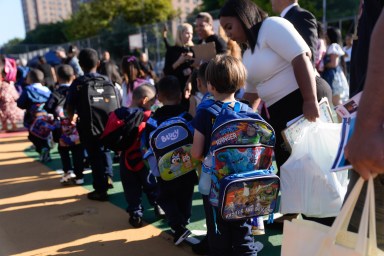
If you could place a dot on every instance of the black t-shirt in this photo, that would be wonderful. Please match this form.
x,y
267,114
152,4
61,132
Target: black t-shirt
x,y
220,44
181,72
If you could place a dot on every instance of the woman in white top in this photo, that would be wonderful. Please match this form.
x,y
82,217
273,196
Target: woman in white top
x,y
278,63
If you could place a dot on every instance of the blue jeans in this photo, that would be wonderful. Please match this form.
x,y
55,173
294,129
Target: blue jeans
x,y
134,184
227,238
175,198
101,164
77,159
379,202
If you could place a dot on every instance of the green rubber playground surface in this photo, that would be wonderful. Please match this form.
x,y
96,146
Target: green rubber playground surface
x,y
271,240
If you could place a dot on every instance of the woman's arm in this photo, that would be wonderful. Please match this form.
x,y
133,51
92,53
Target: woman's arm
x,y
253,99
305,78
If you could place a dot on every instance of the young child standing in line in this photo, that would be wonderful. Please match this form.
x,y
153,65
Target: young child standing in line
x,y
32,99
135,175
67,136
175,196
224,75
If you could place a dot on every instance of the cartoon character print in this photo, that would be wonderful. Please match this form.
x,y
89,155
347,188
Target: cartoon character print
x,y
236,162
267,194
249,134
267,136
176,164
186,158
69,135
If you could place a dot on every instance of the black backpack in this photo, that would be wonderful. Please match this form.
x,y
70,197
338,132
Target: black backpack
x,y
57,99
98,97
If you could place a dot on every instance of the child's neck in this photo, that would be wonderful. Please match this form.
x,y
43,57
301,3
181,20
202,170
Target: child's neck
x,y
225,97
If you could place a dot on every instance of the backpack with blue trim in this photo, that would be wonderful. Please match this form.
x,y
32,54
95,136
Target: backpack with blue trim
x,y
243,184
171,144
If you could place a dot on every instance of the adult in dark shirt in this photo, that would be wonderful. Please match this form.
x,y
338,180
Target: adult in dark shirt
x,y
204,30
48,71
179,58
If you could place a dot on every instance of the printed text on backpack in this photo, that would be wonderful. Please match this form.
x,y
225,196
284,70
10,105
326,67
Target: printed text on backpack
x,y
171,143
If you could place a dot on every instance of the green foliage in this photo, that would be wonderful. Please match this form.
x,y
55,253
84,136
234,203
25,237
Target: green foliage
x,y
100,14
47,34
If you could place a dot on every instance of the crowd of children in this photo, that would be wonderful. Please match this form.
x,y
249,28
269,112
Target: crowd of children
x,y
73,116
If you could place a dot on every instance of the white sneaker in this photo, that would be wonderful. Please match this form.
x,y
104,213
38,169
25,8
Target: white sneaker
x,y
67,177
79,181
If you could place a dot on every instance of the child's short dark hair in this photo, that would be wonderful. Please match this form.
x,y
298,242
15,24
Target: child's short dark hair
x,y
88,59
226,74
144,90
35,76
169,88
65,72
201,73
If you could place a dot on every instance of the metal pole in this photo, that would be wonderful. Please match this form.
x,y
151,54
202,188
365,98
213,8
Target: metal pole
x,y
325,13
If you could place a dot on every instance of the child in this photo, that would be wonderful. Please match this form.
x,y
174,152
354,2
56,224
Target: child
x,y
202,91
131,71
99,156
134,174
225,75
32,99
67,135
175,196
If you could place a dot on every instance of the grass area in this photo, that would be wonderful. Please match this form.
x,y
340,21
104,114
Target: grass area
x,y
271,239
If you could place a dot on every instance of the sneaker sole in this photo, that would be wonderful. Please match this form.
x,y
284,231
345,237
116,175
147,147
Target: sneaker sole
x,y
183,237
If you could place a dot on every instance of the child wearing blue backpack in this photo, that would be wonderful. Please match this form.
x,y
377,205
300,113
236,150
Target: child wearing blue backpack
x,y
228,232
175,187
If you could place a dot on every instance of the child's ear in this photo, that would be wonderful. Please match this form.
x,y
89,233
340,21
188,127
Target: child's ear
x,y
144,100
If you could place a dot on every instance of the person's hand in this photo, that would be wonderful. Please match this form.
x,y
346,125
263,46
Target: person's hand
x,y
184,57
311,110
365,151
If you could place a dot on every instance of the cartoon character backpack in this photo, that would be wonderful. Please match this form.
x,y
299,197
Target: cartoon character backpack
x,y
242,181
171,144
69,136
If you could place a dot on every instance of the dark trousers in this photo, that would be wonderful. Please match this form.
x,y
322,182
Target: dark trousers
x,y
77,152
38,143
101,164
229,237
175,197
134,184
286,109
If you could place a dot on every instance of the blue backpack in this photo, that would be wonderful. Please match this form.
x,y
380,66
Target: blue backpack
x,y
243,184
171,144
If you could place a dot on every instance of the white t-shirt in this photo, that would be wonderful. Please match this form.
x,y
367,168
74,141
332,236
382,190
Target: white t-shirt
x,y
270,72
348,53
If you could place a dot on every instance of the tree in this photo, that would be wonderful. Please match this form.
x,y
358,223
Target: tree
x,y
47,34
97,15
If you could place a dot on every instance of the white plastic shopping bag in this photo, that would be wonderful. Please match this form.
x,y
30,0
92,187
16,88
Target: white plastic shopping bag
x,y
304,237
307,185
